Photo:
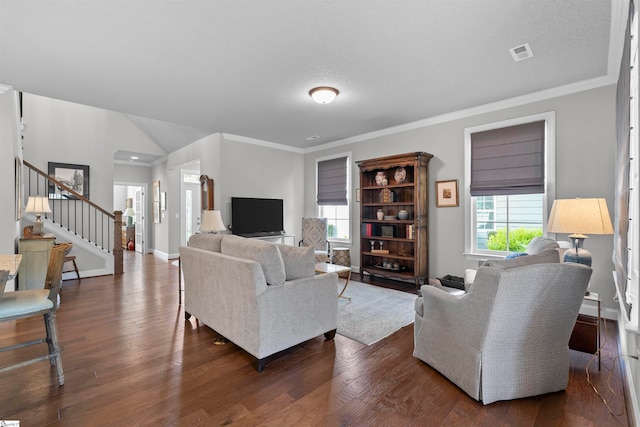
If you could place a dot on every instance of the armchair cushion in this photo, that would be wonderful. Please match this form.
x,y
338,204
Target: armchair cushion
x,y
298,261
265,253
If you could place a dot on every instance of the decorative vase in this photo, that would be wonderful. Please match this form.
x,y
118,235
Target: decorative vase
x,y
381,178
380,214
403,214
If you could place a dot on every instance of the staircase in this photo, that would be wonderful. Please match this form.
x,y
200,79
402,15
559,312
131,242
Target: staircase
x,y
76,219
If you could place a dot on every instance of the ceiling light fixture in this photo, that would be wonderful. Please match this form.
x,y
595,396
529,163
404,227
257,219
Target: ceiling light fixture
x,y
323,94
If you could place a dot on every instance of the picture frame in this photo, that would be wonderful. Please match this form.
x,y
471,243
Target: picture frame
x,y
447,193
387,231
75,177
18,189
163,201
155,207
156,191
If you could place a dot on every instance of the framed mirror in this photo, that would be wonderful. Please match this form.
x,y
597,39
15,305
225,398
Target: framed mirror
x,y
206,193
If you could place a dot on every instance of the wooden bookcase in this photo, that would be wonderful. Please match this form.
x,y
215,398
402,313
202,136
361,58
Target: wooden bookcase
x,y
390,185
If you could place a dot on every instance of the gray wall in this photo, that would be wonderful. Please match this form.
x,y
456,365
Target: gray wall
x,y
585,149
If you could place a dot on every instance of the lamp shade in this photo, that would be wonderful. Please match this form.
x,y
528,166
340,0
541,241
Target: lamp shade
x,y
211,222
37,204
129,212
580,216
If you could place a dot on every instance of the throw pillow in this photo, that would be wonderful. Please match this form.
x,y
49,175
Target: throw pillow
x,y
548,256
298,262
265,253
208,242
539,244
515,255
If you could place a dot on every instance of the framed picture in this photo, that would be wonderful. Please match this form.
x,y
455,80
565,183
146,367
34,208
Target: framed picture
x,y
156,191
447,193
156,212
163,201
18,182
74,177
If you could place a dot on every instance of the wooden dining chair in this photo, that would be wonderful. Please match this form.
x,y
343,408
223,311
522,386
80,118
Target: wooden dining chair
x,y
35,302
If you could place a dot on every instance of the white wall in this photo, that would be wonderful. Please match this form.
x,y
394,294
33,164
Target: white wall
x,y
9,146
585,149
64,132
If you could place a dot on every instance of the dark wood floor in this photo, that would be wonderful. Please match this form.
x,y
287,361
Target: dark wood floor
x,y
130,359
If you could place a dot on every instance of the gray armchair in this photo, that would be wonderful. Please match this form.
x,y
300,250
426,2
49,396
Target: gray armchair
x,y
508,336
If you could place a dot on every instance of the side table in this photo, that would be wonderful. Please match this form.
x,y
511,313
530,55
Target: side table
x,y
586,332
323,267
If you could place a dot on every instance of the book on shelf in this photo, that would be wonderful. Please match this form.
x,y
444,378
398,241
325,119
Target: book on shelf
x,y
380,251
409,231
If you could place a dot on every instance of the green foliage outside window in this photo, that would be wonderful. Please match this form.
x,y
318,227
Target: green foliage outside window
x,y
519,238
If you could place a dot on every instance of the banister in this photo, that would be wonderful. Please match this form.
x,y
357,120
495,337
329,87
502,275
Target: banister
x,y
76,194
73,218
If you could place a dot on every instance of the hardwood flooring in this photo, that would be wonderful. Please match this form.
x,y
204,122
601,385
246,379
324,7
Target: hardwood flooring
x,y
130,359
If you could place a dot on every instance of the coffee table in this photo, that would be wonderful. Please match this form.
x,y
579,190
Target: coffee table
x,y
323,267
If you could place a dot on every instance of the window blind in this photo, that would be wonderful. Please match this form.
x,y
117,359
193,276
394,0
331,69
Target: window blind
x,y
508,160
622,182
332,182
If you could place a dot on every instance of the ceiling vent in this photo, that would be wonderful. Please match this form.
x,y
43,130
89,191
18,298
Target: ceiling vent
x,y
521,52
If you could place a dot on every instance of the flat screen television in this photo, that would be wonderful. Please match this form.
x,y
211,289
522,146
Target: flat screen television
x,y
252,217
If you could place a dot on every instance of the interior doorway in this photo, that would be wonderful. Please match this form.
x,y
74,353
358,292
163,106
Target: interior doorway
x,y
190,204
131,195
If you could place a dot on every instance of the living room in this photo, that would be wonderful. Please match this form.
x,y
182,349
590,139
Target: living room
x,y
63,131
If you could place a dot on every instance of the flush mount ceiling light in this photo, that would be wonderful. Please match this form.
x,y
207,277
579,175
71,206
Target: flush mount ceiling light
x,y
323,94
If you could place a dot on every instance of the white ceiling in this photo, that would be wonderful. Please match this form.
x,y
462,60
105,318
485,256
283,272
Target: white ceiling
x,y
185,69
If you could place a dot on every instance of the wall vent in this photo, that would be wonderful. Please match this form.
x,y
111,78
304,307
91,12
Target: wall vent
x,y
521,52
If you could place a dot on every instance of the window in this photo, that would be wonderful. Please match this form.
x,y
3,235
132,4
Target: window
x,y
509,174
626,241
332,195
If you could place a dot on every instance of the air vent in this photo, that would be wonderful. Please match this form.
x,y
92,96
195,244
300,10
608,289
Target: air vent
x,y
521,52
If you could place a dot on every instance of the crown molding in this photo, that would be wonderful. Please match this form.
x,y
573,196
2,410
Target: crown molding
x,y
262,143
474,111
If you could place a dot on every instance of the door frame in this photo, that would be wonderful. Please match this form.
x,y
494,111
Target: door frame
x,y
145,208
194,170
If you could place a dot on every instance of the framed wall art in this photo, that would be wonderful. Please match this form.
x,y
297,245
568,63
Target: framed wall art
x,y
447,193
74,177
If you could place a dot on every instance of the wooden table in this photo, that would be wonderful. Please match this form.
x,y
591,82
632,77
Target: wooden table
x,y
323,267
11,263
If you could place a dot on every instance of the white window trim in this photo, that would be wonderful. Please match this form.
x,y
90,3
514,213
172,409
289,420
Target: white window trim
x,y
550,176
349,156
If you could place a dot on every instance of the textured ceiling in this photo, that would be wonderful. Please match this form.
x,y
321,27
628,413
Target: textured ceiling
x,y
185,69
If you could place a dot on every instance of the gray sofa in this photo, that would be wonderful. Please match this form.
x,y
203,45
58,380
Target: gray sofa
x,y
507,337
262,296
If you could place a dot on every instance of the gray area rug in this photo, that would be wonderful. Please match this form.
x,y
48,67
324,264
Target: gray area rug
x,y
373,312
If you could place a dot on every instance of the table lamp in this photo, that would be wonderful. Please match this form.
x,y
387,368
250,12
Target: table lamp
x,y
129,213
579,217
211,222
37,205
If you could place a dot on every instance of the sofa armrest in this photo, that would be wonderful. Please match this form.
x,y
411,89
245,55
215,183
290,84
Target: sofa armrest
x,y
297,311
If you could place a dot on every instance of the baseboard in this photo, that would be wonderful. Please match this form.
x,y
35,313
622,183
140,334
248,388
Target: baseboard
x,y
631,397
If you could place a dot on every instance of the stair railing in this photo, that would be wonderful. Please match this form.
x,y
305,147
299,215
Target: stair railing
x,y
76,214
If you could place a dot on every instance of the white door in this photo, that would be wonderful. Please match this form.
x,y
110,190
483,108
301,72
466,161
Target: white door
x,y
139,210
190,209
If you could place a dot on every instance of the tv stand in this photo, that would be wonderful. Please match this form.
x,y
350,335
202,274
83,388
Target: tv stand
x,y
277,238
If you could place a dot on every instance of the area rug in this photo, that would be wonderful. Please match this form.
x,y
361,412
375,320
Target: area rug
x,y
373,312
